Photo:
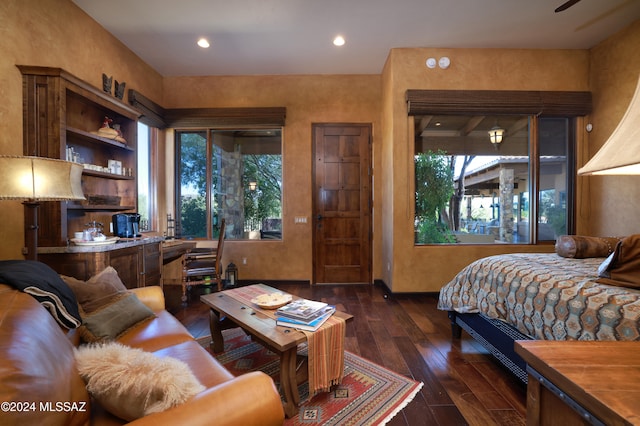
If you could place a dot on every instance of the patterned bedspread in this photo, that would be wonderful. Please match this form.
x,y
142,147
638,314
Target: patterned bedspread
x,y
545,296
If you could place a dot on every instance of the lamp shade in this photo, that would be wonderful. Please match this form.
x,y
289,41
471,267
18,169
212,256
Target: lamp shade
x,y
620,154
39,179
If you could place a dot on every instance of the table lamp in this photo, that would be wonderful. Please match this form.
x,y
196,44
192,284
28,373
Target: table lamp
x,y
37,179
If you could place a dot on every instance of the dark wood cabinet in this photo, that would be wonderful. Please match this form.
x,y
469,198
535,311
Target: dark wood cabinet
x,y
152,264
138,264
147,258
62,113
128,262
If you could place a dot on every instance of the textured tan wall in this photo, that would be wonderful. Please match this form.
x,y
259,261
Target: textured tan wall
x,y
427,268
385,214
309,99
612,202
56,33
53,33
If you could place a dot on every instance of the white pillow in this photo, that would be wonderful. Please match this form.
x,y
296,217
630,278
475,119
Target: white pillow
x,y
604,266
131,383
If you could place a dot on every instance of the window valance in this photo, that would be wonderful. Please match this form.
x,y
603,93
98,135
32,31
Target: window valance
x,y
224,117
549,103
152,114
155,115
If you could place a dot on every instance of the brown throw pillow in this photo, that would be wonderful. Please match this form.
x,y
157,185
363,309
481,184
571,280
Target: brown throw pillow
x,y
114,319
99,290
580,246
622,268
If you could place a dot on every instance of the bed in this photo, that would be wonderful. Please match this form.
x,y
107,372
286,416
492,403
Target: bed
x,y
502,298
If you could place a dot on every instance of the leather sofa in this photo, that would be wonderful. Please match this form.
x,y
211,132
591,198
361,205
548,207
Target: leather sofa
x,y
40,384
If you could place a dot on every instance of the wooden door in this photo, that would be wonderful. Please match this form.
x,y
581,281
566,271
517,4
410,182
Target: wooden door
x,y
342,203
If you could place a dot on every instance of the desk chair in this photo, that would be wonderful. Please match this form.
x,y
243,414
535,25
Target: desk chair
x,y
202,266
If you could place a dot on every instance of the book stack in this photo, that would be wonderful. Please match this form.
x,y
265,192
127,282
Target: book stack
x,y
304,314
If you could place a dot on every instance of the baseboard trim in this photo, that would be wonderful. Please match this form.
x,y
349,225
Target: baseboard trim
x,y
242,283
381,283
388,291
377,282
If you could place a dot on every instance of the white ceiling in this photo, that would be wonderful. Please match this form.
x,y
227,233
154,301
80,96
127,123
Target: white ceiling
x,y
252,37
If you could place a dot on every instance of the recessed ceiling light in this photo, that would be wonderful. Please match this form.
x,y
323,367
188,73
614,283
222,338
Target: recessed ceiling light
x,y
339,41
203,42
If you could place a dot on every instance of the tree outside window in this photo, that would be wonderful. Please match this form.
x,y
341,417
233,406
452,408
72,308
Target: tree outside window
x,y
434,189
468,190
235,174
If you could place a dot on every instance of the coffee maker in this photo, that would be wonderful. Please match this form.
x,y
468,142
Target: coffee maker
x,y
126,225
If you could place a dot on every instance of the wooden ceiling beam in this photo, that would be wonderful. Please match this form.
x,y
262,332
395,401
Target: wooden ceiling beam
x,y
472,124
423,124
517,126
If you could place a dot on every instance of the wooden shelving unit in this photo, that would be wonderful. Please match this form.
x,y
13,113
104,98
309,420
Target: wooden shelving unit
x,y
62,111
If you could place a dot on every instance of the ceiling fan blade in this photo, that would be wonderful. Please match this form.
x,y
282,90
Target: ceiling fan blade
x,y
566,5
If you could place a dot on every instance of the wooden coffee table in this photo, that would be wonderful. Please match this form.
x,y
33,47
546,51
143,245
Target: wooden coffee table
x,y
253,320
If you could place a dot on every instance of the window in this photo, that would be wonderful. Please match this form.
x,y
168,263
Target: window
x,y
470,190
556,160
231,174
145,193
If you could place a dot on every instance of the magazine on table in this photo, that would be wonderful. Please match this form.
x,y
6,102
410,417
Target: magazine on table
x,y
312,325
302,309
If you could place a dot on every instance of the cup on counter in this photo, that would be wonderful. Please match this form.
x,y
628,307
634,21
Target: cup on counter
x,y
86,235
78,235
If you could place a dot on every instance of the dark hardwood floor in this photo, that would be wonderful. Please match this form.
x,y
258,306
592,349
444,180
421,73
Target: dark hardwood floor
x,y
463,384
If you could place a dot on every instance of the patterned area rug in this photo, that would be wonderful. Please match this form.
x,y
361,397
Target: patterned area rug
x,y
369,394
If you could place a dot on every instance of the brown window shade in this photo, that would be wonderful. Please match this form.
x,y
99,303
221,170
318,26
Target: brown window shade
x,y
156,116
221,117
152,114
429,102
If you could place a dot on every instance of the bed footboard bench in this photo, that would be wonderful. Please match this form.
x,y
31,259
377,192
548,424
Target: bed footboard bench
x,y
496,336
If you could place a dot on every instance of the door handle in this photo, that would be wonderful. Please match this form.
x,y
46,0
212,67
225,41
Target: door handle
x,y
319,217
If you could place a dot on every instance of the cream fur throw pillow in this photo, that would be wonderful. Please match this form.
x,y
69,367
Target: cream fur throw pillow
x,y
131,383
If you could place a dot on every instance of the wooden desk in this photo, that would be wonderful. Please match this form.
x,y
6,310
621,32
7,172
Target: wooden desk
x,y
174,249
576,383
172,254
